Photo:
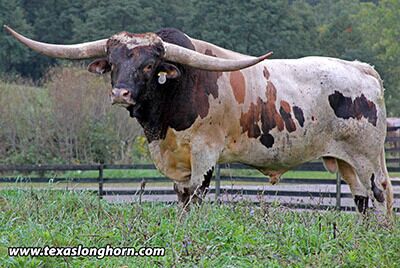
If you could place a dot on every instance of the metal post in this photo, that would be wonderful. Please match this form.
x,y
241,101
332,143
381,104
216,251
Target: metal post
x,y
101,180
217,182
338,190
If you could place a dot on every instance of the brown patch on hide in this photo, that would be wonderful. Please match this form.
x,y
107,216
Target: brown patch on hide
x,y
345,108
299,115
249,120
238,85
286,116
169,143
204,85
266,73
285,107
270,116
265,114
176,157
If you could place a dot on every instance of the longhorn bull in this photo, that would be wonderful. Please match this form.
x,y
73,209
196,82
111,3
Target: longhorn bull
x,y
200,105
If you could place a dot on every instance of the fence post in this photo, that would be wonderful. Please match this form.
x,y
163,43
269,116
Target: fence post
x,y
217,182
101,180
338,190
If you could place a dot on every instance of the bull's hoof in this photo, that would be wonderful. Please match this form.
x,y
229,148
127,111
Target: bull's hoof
x,y
183,195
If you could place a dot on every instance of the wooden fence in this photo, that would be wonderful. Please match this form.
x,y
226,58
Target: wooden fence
x,y
311,189
217,191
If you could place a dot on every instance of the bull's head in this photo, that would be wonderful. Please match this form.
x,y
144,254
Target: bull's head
x,y
137,62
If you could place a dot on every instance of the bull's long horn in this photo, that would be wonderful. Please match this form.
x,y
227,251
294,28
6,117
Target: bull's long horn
x,y
201,61
77,51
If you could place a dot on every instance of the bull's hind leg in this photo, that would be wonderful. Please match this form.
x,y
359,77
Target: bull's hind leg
x,y
387,186
374,176
358,190
381,184
369,180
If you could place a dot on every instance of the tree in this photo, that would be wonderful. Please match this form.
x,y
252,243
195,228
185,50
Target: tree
x,y
52,22
13,56
255,26
381,30
103,20
337,34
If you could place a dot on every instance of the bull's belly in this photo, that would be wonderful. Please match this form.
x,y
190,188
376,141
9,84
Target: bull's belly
x,y
337,138
286,153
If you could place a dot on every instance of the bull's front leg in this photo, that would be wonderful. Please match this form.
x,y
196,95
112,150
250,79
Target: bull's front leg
x,y
204,157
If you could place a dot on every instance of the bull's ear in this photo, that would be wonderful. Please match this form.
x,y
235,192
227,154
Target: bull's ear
x,y
99,66
171,70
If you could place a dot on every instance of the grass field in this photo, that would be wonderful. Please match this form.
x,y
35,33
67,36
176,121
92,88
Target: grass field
x,y
235,235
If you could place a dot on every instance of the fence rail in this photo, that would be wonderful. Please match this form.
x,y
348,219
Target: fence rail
x,y
217,191
311,166
10,179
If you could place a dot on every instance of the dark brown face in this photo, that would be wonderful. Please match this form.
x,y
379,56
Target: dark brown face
x,y
138,73
160,94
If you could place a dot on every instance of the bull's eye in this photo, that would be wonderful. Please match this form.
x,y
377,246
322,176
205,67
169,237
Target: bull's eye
x,y
148,68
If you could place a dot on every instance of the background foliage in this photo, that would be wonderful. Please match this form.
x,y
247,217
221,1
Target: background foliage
x,y
69,119
80,119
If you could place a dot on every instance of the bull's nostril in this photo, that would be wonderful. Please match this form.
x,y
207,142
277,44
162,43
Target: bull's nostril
x,y
125,93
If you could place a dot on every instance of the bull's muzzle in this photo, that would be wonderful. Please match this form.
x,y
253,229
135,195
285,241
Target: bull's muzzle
x,y
121,96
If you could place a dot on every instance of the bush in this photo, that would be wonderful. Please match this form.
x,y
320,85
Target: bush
x,y
68,120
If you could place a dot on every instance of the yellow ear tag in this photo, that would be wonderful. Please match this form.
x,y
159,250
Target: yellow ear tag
x,y
162,77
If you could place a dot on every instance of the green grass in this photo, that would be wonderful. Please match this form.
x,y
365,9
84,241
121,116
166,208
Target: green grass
x,y
236,235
